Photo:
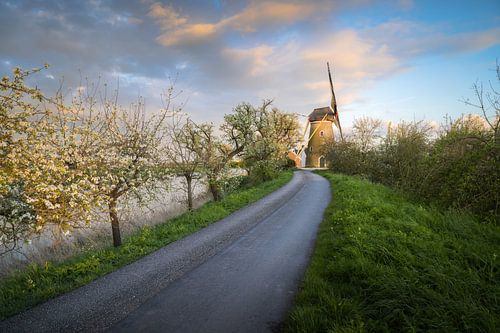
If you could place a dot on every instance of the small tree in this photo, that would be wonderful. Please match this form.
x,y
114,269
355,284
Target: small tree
x,y
118,149
128,156
37,185
212,153
365,132
262,136
183,152
403,151
489,103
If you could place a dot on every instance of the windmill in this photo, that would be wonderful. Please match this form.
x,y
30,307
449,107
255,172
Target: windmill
x,y
320,123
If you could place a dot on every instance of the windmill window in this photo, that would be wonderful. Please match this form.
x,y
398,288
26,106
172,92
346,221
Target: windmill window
x,y
322,133
310,149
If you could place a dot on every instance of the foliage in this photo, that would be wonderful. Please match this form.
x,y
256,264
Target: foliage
x,y
128,154
16,216
180,153
383,264
456,167
89,153
262,136
462,168
39,283
404,148
366,132
72,158
212,153
265,170
34,163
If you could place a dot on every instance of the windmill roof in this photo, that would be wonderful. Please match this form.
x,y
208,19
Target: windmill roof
x,y
319,113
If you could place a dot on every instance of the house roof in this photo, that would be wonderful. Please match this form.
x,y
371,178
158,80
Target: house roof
x,y
319,113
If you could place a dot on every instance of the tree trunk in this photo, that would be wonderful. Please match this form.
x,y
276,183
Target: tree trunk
x,y
189,181
115,225
214,188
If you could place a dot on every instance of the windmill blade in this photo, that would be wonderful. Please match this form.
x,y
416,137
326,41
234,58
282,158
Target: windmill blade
x,y
334,101
333,105
337,123
303,136
305,128
295,156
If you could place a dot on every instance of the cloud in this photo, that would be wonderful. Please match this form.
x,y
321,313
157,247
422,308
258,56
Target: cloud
x,y
85,39
255,60
166,16
356,63
239,51
178,30
410,38
116,19
188,34
294,73
464,42
266,13
353,55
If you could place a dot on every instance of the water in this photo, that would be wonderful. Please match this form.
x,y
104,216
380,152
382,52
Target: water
x,y
54,245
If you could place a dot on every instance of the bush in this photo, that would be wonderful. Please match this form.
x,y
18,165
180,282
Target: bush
x,y
462,168
458,168
265,170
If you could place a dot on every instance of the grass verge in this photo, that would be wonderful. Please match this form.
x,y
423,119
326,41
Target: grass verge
x,y
37,283
382,263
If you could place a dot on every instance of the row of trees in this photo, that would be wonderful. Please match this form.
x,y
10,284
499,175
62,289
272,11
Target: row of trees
x,y
456,165
259,137
61,161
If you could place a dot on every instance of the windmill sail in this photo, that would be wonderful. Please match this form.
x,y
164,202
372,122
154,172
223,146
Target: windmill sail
x,y
333,105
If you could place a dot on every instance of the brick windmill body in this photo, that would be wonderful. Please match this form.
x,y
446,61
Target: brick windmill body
x,y
320,123
320,132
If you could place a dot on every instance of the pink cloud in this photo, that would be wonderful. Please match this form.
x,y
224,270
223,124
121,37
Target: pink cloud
x,y
178,30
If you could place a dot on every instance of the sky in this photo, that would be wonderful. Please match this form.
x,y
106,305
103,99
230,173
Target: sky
x,y
393,60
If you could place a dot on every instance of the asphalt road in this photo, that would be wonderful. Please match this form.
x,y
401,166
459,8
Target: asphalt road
x,y
237,275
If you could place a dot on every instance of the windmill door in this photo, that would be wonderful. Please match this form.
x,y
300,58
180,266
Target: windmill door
x,y
322,162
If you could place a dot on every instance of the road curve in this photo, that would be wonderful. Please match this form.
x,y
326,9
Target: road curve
x,y
237,275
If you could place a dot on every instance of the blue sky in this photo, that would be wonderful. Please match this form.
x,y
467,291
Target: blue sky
x,y
394,60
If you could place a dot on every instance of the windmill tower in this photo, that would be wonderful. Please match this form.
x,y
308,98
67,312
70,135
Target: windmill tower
x,y
321,131
320,123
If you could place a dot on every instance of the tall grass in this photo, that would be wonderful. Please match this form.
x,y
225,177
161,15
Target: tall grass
x,y
38,283
382,263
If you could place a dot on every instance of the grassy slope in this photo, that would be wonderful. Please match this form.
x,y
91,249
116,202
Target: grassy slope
x,y
382,263
39,283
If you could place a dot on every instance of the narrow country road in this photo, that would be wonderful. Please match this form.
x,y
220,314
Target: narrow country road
x,y
237,275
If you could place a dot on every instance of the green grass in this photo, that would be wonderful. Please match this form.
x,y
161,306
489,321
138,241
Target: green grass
x,y
37,283
382,263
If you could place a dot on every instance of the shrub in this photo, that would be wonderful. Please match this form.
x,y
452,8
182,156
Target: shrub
x,y
458,168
